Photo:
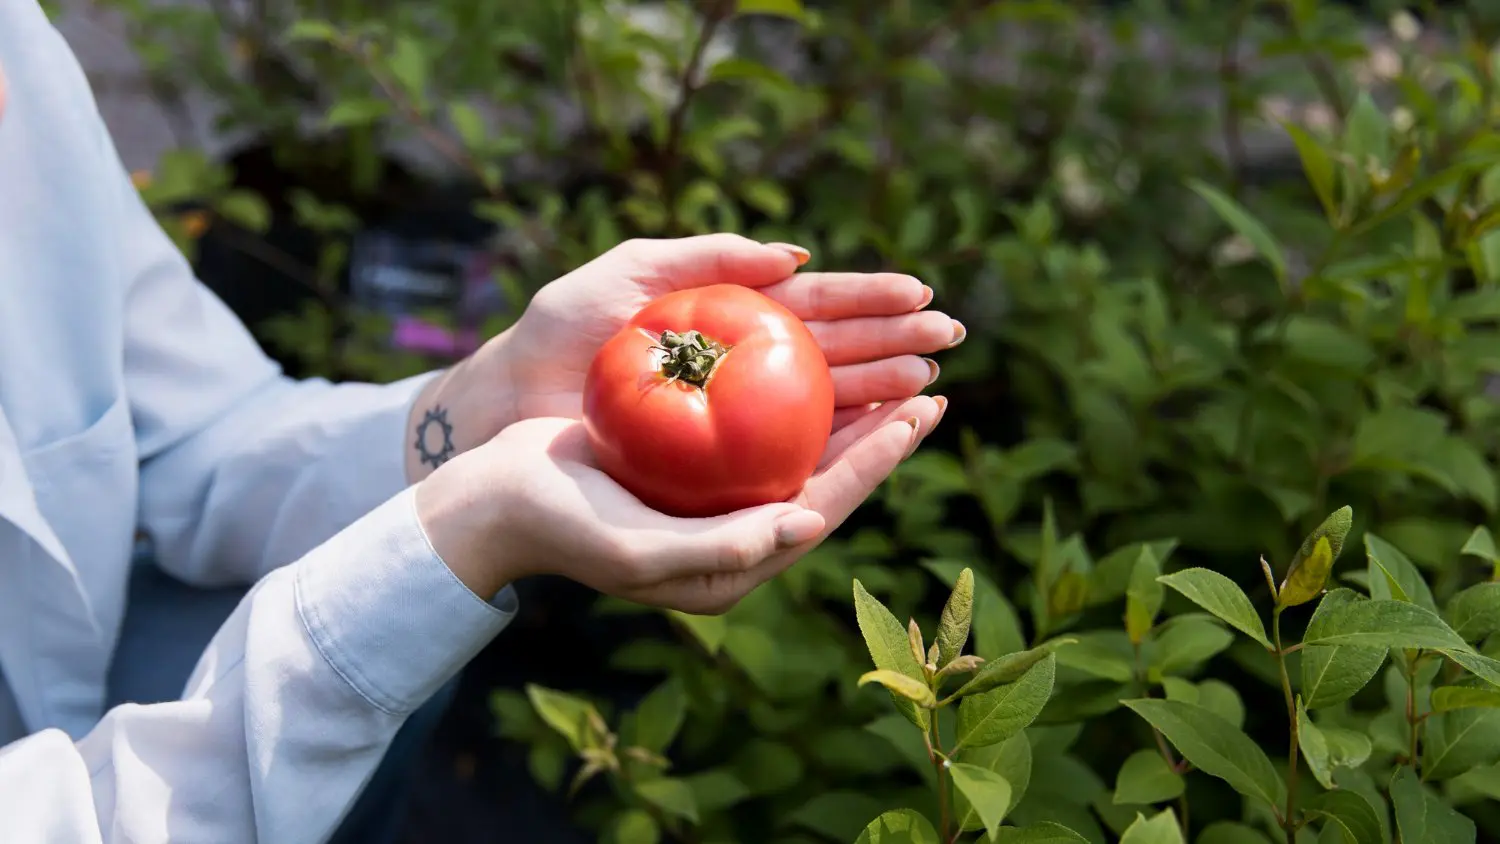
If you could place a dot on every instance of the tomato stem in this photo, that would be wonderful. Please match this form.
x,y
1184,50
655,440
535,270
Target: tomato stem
x,y
691,357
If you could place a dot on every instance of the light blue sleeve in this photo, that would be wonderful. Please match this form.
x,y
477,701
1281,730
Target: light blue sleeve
x,y
242,468
353,621
288,713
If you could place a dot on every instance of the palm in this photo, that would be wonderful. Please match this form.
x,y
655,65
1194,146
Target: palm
x,y
870,326
569,511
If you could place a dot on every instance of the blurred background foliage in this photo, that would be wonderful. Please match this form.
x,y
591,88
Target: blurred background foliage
x,y
1226,265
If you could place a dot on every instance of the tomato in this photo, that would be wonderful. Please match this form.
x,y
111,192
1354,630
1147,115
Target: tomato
x,y
710,400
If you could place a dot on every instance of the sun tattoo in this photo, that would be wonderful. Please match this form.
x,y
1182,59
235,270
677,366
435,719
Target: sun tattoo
x,y
436,417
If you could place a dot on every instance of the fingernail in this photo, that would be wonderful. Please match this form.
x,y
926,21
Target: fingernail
x,y
916,436
959,333
926,298
933,370
797,528
802,255
942,403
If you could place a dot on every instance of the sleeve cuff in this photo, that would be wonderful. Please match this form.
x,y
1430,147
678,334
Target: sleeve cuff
x,y
375,450
388,614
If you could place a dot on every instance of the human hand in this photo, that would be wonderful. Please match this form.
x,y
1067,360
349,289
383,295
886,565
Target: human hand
x,y
531,502
872,327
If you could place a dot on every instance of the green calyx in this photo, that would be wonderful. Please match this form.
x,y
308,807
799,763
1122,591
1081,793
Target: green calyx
x,y
690,356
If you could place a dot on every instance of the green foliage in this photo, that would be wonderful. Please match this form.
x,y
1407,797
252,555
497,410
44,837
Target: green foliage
x,y
1208,555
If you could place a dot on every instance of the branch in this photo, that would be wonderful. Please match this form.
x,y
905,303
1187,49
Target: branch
x,y
687,88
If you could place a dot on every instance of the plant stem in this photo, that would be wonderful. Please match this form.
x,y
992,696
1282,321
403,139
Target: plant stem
x,y
940,764
1288,821
1413,721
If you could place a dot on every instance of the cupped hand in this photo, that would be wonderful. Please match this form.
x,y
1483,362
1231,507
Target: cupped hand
x,y
531,501
872,327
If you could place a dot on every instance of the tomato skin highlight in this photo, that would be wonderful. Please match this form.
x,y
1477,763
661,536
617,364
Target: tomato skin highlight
x,y
752,434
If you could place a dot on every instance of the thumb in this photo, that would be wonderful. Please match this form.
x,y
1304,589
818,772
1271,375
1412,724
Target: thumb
x,y
739,541
702,260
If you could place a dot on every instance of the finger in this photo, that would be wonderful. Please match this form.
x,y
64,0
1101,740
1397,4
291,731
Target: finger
x,y
860,339
848,480
843,295
677,263
673,548
846,416
863,456
921,408
882,380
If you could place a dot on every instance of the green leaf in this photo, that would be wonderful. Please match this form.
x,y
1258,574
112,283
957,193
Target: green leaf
x,y
1161,829
907,742
1333,674
1318,165
1147,778
767,197
1352,813
1346,748
659,716
1314,747
1460,740
1245,224
781,8
1188,643
987,792
1382,624
671,795
996,627
915,691
1306,580
1422,816
1391,570
1309,569
709,630
1110,578
1215,747
312,30
1009,667
1045,832
467,122
889,647
1011,760
953,626
1482,545
245,209
1227,832
718,789
1095,653
357,111
1449,698
1143,597
834,814
1221,699
1219,595
634,826
997,715
1475,612
901,826
408,63
1398,438
566,714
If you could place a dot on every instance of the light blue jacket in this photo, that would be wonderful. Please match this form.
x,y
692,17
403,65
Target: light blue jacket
x,y
131,397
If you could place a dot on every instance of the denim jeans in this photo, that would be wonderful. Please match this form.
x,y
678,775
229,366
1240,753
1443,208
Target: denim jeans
x,y
167,625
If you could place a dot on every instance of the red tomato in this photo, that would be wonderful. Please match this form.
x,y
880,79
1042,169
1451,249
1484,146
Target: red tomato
x,y
710,400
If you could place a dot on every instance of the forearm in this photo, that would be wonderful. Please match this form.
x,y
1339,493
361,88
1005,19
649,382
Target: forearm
x,y
459,410
284,467
289,711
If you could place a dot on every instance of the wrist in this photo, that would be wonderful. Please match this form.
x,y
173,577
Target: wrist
x,y
460,523
460,409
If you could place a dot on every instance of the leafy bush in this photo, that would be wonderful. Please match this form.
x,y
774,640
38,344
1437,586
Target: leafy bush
x,y
1182,356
